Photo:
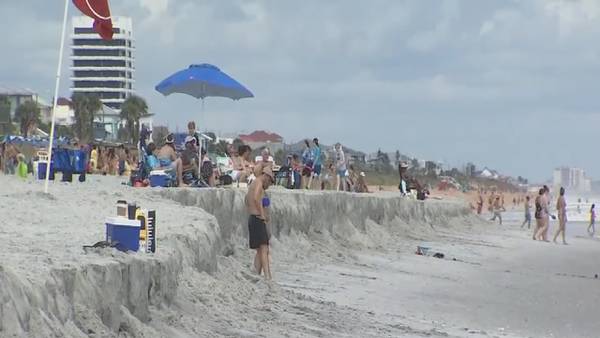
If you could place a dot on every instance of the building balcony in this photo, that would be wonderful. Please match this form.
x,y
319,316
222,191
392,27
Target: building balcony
x,y
95,36
112,100
107,78
100,47
101,89
103,68
101,57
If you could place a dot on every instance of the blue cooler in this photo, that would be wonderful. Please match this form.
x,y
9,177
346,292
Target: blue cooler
x,y
124,231
159,178
41,170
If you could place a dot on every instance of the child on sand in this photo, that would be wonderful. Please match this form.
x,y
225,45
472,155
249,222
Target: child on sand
x,y
21,166
592,228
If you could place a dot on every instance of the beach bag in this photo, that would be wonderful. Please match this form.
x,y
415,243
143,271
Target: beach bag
x,y
67,176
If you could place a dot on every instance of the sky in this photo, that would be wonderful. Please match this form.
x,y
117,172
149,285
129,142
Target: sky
x,y
511,85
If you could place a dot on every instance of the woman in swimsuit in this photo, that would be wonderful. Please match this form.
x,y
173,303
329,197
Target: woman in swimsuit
x,y
592,226
540,217
561,207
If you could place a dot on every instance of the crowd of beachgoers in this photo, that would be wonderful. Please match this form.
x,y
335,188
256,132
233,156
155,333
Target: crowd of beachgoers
x,y
311,169
189,164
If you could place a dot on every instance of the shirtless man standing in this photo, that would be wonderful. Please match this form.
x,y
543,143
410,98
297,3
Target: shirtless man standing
x,y
257,228
561,208
497,209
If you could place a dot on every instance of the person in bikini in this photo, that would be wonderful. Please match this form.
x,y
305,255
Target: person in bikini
x,y
561,207
541,216
592,227
257,228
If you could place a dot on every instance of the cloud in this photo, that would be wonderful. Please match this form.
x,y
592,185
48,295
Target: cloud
x,y
440,79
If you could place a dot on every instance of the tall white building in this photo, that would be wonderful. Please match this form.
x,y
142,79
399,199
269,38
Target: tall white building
x,y
103,68
572,178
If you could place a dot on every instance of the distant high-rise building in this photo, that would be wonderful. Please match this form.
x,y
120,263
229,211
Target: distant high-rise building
x,y
100,67
572,178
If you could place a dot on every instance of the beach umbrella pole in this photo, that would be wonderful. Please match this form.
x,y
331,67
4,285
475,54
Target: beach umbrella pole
x,y
201,140
58,71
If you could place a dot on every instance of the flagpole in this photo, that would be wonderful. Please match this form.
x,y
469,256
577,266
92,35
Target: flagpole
x,y
58,71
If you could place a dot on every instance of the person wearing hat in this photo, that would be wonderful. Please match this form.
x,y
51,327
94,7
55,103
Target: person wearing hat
x,y
189,156
167,156
258,234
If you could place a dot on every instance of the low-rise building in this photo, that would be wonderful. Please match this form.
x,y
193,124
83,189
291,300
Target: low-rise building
x,y
260,139
16,96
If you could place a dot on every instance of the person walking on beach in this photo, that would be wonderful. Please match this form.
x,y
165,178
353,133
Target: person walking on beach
x,y
592,227
490,201
548,215
497,208
479,203
340,166
541,216
527,214
561,207
258,236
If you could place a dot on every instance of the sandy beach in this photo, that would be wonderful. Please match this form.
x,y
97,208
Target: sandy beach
x,y
344,266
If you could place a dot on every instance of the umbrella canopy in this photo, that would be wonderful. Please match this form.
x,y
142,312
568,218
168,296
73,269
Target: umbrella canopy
x,y
203,80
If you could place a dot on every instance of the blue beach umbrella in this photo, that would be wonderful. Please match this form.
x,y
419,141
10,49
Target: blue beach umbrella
x,y
202,81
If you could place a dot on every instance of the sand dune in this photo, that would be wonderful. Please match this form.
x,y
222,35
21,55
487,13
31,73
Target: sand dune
x,y
344,267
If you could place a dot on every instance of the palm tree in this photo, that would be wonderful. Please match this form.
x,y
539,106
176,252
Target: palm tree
x,y
85,107
132,110
28,114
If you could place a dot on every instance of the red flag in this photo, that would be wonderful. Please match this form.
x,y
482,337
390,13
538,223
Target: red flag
x,y
99,11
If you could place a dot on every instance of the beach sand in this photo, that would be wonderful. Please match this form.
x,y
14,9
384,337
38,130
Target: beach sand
x,y
344,266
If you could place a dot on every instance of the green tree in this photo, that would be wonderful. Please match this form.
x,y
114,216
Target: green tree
x,y
28,115
123,134
85,107
5,119
132,110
